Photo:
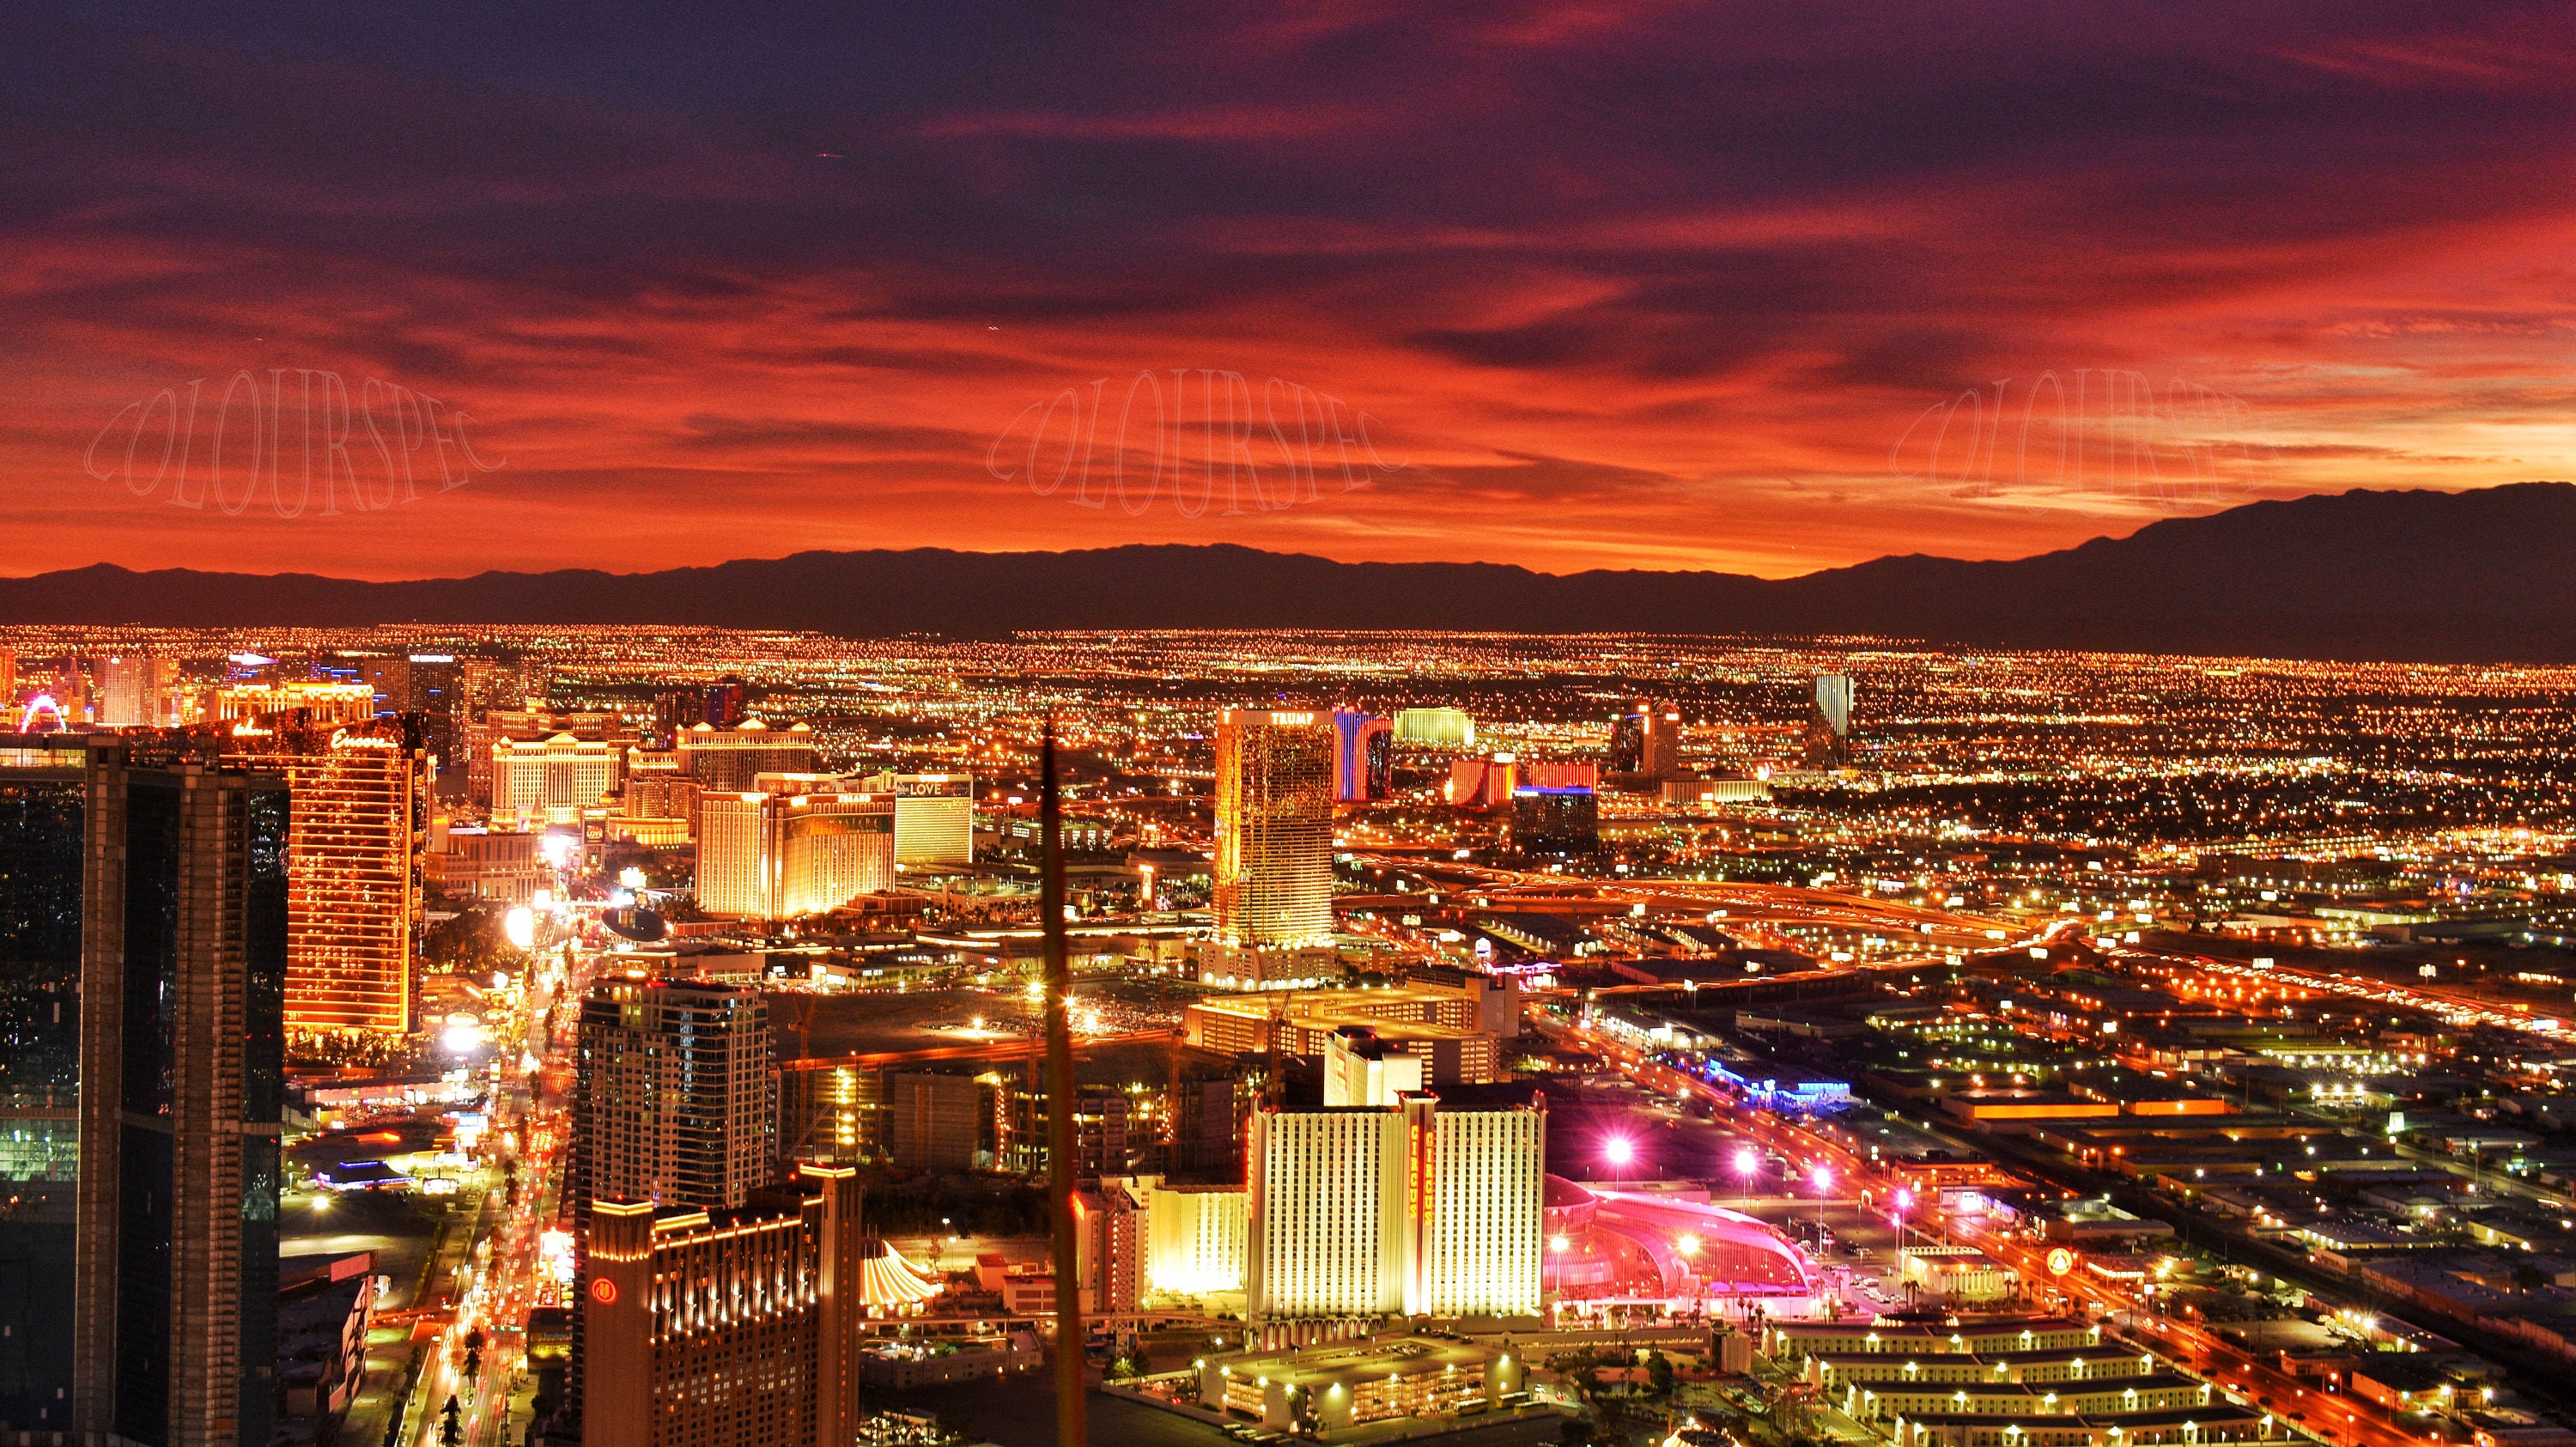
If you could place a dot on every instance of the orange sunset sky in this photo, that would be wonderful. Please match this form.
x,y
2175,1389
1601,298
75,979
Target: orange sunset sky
x,y
1761,288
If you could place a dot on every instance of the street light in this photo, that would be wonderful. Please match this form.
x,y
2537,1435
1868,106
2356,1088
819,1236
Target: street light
x,y
1744,1163
1904,1203
1823,1176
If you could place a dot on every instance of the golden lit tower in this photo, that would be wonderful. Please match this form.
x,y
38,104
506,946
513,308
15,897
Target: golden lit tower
x,y
1401,1210
1274,844
354,865
727,1327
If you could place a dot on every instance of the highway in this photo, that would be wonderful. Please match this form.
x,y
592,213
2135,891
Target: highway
x,y
1747,908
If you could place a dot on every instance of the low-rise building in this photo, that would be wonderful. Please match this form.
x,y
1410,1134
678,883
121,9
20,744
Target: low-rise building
x,y
1959,1275
1347,1384
899,1366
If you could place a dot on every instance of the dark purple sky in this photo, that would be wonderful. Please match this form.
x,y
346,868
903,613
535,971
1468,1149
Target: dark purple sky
x,y
1751,287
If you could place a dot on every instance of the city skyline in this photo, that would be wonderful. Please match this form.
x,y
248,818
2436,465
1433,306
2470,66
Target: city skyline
x,y
1534,723
1753,995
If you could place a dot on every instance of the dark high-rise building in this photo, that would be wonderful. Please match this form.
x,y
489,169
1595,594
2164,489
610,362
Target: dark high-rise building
x,y
1207,1127
934,1122
728,703
437,695
673,1105
1645,748
675,712
142,992
484,684
43,826
1556,823
390,677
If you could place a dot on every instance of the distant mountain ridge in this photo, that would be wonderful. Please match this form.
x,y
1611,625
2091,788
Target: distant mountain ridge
x,y
2411,576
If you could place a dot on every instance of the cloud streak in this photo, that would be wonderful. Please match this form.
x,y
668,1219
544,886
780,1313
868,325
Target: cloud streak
x,y
1627,283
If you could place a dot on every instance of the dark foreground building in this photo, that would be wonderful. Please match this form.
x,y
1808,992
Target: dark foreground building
x,y
142,1034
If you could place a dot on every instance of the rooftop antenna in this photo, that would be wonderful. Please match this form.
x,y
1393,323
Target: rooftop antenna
x,y
1070,1428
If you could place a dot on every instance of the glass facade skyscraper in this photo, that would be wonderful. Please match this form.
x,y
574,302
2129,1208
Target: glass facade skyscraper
x,y
1274,829
142,991
43,818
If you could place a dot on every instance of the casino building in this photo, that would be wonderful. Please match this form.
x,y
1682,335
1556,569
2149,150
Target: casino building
x,y
728,1327
1409,1210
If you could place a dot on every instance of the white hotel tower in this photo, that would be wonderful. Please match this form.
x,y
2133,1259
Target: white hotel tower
x,y
1403,1211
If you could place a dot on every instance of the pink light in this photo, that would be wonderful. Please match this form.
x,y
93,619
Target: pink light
x,y
1904,1202
1823,1176
1744,1163
1618,1150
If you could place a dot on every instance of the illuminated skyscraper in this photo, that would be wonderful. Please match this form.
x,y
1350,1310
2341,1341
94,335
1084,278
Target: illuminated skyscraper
x,y
1274,842
142,982
514,724
135,690
934,816
1829,723
550,781
673,1105
795,846
1326,1218
1111,1226
728,702
1449,727
1485,783
714,1327
1363,756
673,1102
1409,1210
1834,701
322,702
1359,1069
1475,1223
355,861
1194,1240
727,759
